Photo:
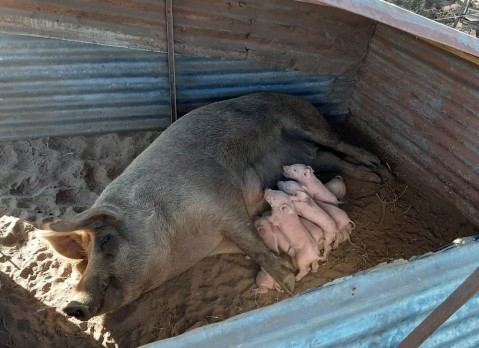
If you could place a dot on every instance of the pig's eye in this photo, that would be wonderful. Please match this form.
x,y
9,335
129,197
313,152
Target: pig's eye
x,y
103,242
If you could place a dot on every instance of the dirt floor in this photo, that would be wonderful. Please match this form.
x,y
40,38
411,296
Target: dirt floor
x,y
60,177
444,11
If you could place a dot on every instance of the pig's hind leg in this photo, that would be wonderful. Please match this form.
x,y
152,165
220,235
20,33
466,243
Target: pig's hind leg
x,y
306,121
328,162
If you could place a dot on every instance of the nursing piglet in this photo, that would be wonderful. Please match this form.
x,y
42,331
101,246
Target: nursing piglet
x,y
315,231
307,208
337,187
340,217
284,215
272,235
304,175
343,222
265,283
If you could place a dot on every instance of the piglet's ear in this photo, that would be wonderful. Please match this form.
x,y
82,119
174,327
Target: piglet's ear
x,y
308,171
72,245
90,219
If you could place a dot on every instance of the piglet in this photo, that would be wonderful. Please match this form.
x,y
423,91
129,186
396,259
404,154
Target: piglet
x,y
307,208
343,222
271,234
337,187
304,175
315,231
265,283
284,215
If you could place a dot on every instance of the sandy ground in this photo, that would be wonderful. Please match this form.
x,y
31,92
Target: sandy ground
x,y
59,177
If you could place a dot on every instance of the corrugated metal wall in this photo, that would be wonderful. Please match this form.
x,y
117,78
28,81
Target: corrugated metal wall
x,y
421,105
229,48
281,33
201,81
53,87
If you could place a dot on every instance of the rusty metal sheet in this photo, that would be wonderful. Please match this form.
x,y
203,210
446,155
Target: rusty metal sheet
x,y
399,18
280,33
122,23
421,105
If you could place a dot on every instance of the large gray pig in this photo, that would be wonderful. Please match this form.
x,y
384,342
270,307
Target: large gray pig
x,y
191,194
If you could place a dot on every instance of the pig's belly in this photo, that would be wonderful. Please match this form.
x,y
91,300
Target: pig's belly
x,y
187,254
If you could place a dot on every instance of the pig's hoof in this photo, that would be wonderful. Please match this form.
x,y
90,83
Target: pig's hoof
x,y
300,276
288,283
370,159
373,177
260,290
287,264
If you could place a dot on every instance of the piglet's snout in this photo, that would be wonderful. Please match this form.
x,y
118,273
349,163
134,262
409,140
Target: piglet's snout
x,y
78,311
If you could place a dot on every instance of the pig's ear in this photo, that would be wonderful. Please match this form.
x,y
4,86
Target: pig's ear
x,y
90,219
72,245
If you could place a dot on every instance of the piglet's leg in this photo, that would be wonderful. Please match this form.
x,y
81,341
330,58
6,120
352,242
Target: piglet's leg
x,y
327,246
302,272
294,261
314,267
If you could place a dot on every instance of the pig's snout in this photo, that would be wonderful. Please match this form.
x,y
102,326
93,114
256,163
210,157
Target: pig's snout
x,y
78,311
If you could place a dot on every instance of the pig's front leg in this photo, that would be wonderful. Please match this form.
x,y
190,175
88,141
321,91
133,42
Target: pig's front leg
x,y
246,238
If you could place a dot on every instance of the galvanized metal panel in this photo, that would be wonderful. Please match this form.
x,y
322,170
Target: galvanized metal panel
x,y
280,33
202,81
421,104
374,308
53,87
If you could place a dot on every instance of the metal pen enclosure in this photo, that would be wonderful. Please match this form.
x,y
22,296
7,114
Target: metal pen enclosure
x,y
416,100
420,104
